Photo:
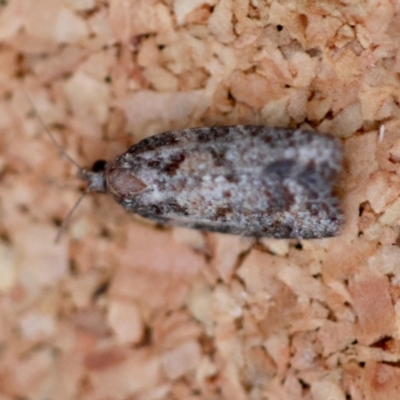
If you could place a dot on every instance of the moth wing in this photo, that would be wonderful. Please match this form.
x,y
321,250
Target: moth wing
x,y
246,180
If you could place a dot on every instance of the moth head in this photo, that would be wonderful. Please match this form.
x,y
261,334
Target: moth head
x,y
95,177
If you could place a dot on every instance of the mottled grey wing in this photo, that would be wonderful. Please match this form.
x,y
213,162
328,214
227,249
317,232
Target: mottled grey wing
x,y
248,180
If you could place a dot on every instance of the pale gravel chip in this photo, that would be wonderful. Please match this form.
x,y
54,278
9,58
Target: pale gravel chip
x,y
8,273
183,7
125,320
69,27
181,360
88,96
145,107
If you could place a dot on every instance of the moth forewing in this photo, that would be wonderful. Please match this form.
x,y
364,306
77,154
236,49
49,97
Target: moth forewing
x,y
245,180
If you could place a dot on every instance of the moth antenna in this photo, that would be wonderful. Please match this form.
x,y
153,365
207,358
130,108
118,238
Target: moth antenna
x,y
67,156
68,217
49,134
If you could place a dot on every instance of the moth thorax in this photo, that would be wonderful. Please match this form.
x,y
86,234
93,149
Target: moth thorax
x,y
122,182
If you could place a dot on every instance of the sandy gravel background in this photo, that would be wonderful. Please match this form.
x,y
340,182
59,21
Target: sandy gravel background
x,y
121,309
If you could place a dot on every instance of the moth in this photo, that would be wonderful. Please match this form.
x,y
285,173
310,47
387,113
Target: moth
x,y
242,180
